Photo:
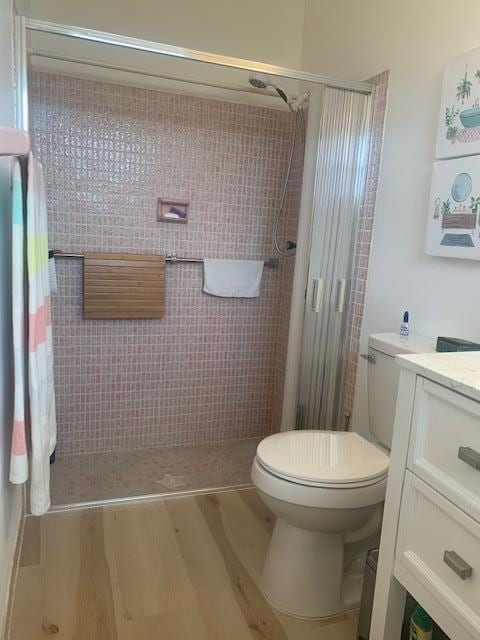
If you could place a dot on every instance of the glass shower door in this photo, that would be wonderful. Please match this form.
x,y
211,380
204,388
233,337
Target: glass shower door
x,y
339,192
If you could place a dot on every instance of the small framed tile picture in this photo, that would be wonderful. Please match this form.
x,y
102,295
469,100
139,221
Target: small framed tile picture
x,y
175,211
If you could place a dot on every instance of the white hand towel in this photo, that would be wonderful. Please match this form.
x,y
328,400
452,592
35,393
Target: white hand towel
x,y
232,278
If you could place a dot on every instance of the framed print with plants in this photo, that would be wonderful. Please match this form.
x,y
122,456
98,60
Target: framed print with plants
x,y
459,122
453,229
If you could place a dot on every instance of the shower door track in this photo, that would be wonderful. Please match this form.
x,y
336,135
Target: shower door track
x,y
144,497
149,46
138,44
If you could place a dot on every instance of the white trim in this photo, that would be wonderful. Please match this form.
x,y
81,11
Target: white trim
x,y
20,73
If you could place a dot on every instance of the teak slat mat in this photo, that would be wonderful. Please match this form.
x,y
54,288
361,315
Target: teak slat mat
x,y
123,285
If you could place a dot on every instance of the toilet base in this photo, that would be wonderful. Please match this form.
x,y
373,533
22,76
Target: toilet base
x,y
303,571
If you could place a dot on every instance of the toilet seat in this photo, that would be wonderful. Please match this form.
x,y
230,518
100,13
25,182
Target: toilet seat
x,y
348,496
328,459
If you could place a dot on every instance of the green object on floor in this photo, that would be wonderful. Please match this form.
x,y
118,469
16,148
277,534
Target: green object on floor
x,y
421,625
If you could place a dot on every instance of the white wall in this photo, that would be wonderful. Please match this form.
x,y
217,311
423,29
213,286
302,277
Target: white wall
x,y
10,497
264,30
413,39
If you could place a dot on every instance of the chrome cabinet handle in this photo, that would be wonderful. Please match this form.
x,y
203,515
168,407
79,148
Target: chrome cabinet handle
x,y
470,457
369,357
457,564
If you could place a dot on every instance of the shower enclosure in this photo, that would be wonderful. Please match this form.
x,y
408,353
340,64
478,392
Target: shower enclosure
x,y
178,404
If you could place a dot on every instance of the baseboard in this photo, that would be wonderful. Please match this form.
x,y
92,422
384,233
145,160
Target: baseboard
x,y
12,558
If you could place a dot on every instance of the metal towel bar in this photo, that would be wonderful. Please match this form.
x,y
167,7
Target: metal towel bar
x,y
170,257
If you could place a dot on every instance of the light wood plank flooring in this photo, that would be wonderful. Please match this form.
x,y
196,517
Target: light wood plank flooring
x,y
185,568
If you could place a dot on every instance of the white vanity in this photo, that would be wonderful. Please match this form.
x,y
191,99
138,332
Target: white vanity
x,y
430,542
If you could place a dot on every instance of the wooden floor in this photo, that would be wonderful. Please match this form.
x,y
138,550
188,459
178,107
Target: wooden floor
x,y
186,568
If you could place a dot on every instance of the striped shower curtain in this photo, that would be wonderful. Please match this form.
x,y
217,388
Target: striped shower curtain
x,y
34,404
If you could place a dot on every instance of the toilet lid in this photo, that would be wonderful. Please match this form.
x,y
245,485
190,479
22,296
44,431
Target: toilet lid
x,y
322,457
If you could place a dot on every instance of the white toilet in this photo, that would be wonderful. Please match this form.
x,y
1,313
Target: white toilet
x,y
327,490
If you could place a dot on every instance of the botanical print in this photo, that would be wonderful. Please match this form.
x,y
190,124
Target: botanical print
x,y
459,122
453,228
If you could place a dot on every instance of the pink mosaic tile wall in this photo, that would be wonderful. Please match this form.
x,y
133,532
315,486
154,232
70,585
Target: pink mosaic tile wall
x,y
211,369
363,238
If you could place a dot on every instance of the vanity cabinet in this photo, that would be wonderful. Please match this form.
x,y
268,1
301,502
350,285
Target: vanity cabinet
x,y
430,543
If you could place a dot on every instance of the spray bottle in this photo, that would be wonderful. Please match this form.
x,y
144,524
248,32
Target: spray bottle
x,y
404,327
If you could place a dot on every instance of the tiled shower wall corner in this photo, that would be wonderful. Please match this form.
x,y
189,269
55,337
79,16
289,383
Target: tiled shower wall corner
x,y
363,240
211,369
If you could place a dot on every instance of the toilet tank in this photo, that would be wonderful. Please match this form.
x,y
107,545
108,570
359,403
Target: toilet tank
x,y
383,376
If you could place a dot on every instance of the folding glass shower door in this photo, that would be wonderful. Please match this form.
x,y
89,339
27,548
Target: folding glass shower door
x,y
339,193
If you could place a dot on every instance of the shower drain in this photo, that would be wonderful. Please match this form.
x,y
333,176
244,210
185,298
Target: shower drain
x,y
170,481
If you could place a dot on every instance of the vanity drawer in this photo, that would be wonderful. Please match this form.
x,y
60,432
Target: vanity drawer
x,y
445,444
438,546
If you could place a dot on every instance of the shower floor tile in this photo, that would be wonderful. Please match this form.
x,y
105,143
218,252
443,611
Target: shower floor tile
x,y
123,474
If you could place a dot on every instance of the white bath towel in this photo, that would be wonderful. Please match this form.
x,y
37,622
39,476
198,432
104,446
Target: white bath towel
x,y
37,339
232,278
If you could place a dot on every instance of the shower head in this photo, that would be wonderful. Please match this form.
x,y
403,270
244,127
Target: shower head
x,y
259,80
262,81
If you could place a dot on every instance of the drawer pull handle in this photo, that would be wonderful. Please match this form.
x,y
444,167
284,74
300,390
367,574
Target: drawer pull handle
x,y
470,457
457,564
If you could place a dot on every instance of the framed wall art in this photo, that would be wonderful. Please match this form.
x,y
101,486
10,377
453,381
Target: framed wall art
x,y
459,122
453,229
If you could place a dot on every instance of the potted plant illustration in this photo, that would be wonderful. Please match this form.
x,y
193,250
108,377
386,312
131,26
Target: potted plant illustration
x,y
446,207
450,118
474,204
471,117
464,87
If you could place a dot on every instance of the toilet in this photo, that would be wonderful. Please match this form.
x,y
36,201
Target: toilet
x,y
326,489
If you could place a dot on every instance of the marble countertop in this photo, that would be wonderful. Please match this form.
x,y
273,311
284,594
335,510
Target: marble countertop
x,y
459,371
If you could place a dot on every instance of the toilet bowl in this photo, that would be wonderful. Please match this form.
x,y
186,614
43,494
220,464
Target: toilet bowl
x,y
323,487
326,489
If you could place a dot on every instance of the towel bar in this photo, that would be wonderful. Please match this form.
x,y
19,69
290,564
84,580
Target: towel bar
x,y
170,257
